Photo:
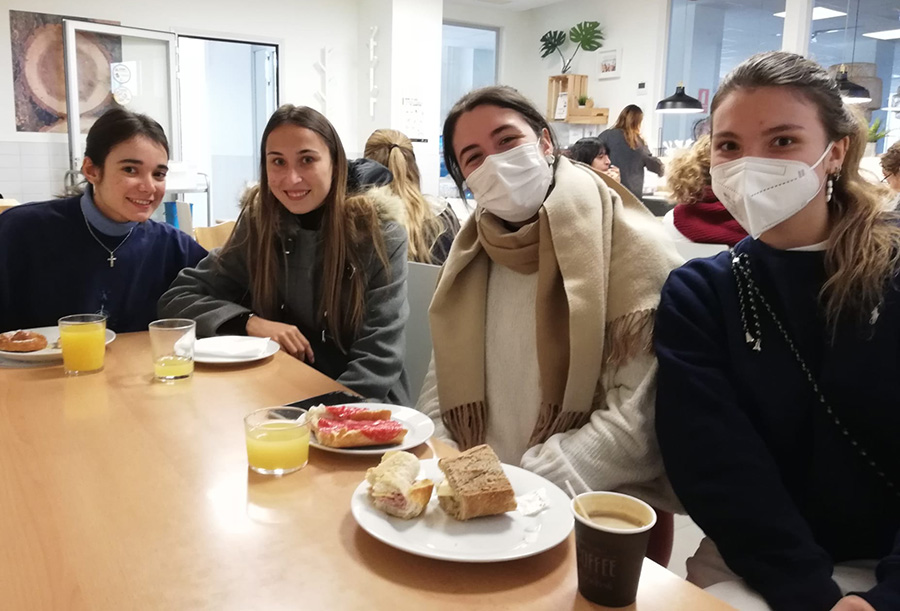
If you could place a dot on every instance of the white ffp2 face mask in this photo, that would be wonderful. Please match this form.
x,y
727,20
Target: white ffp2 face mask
x,y
513,184
761,193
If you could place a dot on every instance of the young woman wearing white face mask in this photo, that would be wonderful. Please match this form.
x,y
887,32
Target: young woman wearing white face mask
x,y
777,405
542,316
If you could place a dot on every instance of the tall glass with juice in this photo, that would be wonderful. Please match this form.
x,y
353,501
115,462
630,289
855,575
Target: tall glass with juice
x,y
82,338
172,341
277,440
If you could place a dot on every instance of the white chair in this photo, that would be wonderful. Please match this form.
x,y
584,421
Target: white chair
x,y
420,282
687,249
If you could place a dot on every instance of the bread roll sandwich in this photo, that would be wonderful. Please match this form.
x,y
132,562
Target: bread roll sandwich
x,y
353,427
393,487
474,485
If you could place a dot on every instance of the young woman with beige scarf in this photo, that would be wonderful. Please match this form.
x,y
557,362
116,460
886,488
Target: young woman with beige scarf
x,y
542,318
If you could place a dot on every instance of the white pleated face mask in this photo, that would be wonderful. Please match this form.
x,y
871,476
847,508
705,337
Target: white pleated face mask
x,y
761,193
513,184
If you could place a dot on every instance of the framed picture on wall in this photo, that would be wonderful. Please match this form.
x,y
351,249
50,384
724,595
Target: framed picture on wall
x,y
610,63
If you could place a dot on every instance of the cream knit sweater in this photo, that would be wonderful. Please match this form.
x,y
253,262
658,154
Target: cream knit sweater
x,y
616,450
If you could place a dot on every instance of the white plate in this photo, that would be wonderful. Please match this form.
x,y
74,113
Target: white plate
x,y
498,538
419,425
271,349
49,353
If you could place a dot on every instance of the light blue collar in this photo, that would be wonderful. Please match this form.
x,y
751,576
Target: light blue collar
x,y
97,219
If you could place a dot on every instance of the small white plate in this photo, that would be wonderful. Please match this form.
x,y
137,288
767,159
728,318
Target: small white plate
x,y
49,353
498,538
419,425
208,359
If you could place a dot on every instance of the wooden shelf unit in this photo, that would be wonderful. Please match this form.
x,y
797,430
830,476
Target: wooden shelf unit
x,y
574,86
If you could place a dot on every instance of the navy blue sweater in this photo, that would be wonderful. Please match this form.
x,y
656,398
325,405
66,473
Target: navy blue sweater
x,y
751,453
50,267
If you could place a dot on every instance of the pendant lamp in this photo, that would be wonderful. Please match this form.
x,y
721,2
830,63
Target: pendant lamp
x,y
851,93
680,103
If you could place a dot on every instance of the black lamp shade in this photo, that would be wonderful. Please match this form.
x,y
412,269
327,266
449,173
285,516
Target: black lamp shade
x,y
680,103
851,92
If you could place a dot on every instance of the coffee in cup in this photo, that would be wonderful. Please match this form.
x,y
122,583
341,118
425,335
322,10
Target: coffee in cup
x,y
610,544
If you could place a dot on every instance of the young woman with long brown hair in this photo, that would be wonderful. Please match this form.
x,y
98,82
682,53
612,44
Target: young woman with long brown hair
x,y
628,151
430,222
320,272
777,405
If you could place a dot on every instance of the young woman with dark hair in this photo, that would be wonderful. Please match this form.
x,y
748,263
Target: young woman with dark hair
x,y
593,152
320,271
777,405
97,252
542,317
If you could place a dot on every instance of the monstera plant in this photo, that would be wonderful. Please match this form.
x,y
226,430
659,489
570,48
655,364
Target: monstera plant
x,y
586,35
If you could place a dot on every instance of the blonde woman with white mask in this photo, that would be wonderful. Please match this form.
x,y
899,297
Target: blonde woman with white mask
x,y
777,406
542,317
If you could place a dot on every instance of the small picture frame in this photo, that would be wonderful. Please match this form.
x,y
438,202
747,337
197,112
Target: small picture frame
x,y
609,63
562,106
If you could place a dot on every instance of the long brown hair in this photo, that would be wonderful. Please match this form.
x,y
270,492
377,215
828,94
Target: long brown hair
x,y
864,244
349,224
394,150
629,122
501,96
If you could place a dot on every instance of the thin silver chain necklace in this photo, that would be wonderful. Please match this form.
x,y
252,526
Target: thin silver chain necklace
x,y
112,258
749,293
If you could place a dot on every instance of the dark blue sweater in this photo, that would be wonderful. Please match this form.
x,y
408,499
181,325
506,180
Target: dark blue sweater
x,y
50,266
752,454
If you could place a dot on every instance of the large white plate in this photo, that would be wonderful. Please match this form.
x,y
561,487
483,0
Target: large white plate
x,y
271,349
419,425
434,534
49,353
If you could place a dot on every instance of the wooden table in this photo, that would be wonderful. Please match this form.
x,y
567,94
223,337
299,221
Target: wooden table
x,y
120,493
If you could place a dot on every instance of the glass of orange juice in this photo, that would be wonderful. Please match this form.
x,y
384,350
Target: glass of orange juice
x,y
82,338
277,440
172,341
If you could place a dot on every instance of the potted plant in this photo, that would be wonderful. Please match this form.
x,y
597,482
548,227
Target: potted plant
x,y
875,134
582,101
586,35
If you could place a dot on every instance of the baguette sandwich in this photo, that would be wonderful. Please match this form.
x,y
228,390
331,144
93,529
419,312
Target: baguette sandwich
x,y
353,427
393,487
474,485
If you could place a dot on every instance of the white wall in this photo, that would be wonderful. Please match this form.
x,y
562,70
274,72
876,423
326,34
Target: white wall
x,y
301,27
416,74
638,29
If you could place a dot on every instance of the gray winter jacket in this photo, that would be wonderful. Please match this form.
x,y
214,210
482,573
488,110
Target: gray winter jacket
x,y
218,291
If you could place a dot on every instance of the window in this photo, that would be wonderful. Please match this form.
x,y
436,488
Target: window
x,y
708,38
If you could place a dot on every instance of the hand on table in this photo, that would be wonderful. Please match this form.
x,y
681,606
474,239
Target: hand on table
x,y
852,603
288,337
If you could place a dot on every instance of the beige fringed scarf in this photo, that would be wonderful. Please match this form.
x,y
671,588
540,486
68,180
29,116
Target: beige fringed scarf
x,y
601,259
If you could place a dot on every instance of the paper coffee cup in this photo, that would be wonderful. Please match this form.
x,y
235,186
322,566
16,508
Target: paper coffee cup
x,y
610,545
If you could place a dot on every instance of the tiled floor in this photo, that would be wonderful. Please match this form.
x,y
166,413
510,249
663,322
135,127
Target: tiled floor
x,y
687,538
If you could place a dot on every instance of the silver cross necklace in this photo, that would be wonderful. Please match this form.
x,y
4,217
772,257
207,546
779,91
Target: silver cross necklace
x,y
112,259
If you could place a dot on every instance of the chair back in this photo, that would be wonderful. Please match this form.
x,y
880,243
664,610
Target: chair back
x,y
421,282
215,236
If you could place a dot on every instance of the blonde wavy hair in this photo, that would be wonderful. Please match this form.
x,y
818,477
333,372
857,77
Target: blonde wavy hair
x,y
629,122
864,244
350,228
394,150
688,173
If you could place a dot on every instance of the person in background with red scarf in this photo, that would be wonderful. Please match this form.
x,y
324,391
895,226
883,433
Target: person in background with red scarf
x,y
699,224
